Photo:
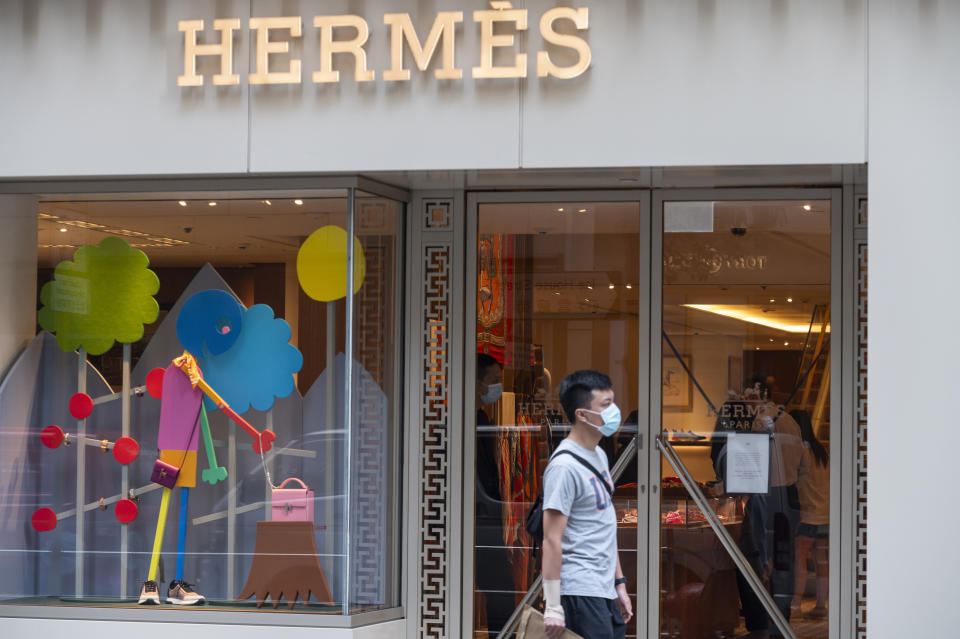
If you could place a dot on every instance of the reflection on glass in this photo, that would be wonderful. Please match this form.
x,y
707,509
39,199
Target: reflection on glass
x,y
746,333
556,293
223,524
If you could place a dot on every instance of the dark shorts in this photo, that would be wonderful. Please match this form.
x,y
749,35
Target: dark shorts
x,y
593,617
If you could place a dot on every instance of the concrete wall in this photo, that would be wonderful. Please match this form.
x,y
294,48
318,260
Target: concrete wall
x,y
672,82
913,558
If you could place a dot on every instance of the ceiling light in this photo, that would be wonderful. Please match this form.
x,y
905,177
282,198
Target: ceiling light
x,y
758,348
807,207
182,202
211,203
298,202
585,300
560,210
786,343
267,202
772,300
771,339
590,287
63,230
581,210
611,286
755,315
629,286
789,299
556,292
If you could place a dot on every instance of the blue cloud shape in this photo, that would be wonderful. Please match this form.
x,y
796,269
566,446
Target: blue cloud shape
x,y
258,367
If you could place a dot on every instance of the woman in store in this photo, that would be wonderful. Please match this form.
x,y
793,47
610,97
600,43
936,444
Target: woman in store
x,y
814,531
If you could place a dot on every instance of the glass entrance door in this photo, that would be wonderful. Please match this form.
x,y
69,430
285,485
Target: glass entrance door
x,y
745,390
561,285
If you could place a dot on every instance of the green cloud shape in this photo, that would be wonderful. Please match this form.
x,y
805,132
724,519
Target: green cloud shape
x,y
104,294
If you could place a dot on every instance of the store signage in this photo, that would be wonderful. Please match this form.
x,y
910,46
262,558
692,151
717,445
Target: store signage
x,y
713,261
440,41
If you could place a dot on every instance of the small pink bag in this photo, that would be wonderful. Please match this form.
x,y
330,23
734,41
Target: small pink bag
x,y
292,504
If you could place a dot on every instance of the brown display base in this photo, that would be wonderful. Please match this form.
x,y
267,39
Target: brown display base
x,y
286,565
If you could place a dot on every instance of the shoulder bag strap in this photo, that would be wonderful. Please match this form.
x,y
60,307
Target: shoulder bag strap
x,y
583,461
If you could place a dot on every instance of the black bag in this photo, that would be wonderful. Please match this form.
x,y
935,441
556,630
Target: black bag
x,y
534,524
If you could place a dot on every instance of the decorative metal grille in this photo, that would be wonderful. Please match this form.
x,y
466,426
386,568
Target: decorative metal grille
x,y
437,216
433,448
861,584
370,437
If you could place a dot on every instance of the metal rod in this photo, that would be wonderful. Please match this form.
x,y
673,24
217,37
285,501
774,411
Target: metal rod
x,y
127,392
231,510
534,591
347,392
124,469
731,547
81,478
107,501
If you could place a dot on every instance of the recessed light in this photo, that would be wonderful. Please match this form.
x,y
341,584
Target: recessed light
x,y
771,339
556,292
611,286
789,299
182,202
585,300
786,343
807,207
211,203
267,202
298,202
63,230
590,287
560,210
758,348
772,300
629,286
581,210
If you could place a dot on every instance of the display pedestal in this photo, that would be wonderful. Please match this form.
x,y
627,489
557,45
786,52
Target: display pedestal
x,y
286,565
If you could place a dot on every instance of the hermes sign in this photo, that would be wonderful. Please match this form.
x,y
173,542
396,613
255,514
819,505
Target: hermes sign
x,y
272,36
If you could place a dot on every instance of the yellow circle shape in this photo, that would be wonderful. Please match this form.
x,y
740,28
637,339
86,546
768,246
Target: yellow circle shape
x,y
322,264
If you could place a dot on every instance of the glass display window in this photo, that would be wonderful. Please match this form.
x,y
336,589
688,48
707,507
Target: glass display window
x,y
209,415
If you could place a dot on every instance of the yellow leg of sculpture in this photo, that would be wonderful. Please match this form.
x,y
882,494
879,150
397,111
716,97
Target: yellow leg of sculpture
x,y
158,538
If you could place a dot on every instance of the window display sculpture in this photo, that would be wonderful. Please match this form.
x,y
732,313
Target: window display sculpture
x,y
246,355
102,296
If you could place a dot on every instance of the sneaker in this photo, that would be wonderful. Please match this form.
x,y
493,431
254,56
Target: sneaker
x,y
181,594
149,594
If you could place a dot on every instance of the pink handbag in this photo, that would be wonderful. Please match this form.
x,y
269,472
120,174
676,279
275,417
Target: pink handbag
x,y
292,504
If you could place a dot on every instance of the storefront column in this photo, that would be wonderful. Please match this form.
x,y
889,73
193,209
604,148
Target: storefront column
x,y
18,276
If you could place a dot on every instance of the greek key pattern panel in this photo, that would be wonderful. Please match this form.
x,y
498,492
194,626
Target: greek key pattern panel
x,y
861,584
433,448
437,215
369,543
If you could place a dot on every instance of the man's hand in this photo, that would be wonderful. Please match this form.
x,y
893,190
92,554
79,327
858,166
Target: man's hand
x,y
554,627
623,600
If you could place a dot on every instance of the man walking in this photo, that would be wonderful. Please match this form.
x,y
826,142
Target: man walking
x,y
584,589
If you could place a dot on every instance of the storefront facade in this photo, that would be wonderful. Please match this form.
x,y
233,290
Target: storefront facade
x,y
499,165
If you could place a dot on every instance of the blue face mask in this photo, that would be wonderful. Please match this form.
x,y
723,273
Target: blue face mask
x,y
611,420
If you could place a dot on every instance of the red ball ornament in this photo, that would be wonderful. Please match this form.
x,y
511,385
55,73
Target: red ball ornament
x,y
51,436
43,520
125,511
126,449
81,405
155,382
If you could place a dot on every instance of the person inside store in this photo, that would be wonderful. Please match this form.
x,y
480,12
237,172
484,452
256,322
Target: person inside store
x,y
814,531
770,520
584,588
494,576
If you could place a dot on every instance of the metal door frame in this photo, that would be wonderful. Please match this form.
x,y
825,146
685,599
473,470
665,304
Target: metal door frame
x,y
843,457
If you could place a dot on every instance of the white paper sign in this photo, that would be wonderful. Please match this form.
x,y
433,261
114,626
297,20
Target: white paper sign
x,y
748,463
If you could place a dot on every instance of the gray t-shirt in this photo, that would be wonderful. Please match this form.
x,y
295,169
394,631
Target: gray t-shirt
x,y
589,545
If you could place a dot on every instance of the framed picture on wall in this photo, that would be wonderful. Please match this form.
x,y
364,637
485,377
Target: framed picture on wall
x,y
676,388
